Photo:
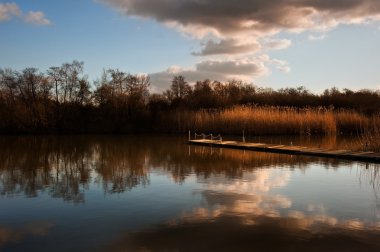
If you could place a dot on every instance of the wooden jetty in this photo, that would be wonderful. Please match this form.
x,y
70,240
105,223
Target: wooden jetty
x,y
366,156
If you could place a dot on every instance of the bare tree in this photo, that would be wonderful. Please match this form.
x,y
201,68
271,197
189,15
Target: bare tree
x,y
56,76
179,87
84,92
70,73
138,87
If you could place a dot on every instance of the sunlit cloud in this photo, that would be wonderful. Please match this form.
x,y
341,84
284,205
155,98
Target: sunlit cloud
x,y
258,18
221,70
12,10
242,15
232,67
228,47
237,29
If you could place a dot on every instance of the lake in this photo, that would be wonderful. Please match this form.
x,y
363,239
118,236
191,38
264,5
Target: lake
x,y
156,193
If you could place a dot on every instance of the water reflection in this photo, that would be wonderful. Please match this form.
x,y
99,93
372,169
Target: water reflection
x,y
228,200
264,233
8,235
65,166
121,165
251,214
30,165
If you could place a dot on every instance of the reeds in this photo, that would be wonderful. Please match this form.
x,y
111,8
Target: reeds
x,y
264,120
370,135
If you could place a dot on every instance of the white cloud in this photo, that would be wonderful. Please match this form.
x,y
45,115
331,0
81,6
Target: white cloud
x,y
37,18
316,37
280,65
11,10
276,44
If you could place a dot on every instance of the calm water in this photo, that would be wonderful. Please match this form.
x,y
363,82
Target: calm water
x,y
155,193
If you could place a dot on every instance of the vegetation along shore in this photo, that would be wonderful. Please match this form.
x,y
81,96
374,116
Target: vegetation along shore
x,y
62,100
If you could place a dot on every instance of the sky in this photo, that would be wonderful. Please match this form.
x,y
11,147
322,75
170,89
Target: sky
x,y
318,44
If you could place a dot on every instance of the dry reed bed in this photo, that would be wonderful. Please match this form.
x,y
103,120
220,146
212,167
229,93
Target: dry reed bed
x,y
370,135
256,120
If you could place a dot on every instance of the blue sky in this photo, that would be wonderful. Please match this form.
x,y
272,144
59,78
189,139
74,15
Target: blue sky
x,y
138,37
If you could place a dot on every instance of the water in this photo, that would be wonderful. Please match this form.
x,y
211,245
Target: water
x,y
156,193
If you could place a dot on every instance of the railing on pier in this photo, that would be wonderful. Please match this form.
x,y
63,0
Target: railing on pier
x,y
206,136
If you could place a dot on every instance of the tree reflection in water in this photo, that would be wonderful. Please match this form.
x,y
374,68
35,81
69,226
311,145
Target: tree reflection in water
x,y
67,166
235,200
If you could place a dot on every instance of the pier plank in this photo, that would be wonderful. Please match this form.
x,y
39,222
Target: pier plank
x,y
367,156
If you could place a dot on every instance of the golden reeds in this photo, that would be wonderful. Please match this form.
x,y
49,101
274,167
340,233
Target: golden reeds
x,y
370,135
264,120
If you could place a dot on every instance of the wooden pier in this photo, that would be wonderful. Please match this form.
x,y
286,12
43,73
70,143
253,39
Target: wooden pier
x,y
366,156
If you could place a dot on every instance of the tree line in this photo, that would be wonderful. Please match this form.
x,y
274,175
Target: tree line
x,y
62,100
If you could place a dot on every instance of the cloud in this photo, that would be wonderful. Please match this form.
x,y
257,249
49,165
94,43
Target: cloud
x,y
277,44
225,18
221,70
316,37
229,46
244,68
11,10
37,18
232,67
236,28
280,65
